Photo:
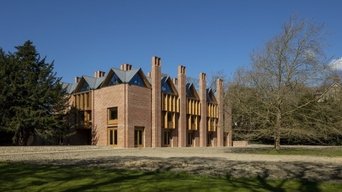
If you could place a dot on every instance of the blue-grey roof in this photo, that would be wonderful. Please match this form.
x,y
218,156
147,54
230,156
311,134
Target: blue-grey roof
x,y
90,80
99,81
70,87
93,82
125,76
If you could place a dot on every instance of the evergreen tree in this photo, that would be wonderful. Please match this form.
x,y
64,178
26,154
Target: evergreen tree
x,y
35,98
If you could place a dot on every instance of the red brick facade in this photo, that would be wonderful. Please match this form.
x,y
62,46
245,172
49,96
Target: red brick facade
x,y
127,109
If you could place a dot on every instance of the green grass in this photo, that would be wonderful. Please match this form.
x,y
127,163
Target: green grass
x,y
326,151
32,177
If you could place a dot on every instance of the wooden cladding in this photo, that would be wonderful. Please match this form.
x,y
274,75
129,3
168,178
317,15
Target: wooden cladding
x,y
169,120
193,122
212,110
170,103
193,107
212,124
193,110
83,101
212,120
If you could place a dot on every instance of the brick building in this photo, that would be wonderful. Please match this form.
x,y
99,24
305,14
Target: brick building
x,y
127,108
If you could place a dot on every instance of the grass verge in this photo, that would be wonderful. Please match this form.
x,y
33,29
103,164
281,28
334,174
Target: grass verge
x,y
33,177
325,151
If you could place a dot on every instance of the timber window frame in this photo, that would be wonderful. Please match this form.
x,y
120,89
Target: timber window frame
x,y
112,115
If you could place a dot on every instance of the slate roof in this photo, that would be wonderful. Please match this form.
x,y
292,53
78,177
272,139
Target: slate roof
x,y
70,87
125,76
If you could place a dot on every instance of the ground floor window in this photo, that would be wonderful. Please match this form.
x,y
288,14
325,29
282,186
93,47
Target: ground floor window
x,y
138,136
190,138
112,136
210,138
167,136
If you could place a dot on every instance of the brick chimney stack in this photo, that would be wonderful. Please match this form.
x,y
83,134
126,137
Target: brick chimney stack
x,y
181,80
99,74
219,98
77,79
203,112
125,67
156,101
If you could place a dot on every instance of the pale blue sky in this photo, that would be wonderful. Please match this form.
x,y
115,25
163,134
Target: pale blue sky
x,y
83,36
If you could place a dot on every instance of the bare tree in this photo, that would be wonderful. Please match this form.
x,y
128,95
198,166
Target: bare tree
x,y
290,62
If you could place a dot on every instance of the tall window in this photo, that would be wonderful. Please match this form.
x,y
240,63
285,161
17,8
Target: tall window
x,y
112,136
112,115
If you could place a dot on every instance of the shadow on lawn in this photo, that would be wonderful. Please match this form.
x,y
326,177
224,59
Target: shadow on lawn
x,y
34,177
281,185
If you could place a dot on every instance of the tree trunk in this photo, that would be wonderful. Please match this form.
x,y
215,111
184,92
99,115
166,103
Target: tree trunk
x,y
277,131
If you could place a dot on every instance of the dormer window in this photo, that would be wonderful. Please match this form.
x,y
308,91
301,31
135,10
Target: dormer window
x,y
166,88
85,87
114,80
137,80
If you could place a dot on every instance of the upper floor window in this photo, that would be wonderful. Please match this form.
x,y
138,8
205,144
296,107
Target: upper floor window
x,y
113,113
114,80
166,88
85,87
137,80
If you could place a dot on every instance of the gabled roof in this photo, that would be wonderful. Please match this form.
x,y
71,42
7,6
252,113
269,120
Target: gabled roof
x,y
70,87
191,91
99,81
126,76
90,80
166,80
210,96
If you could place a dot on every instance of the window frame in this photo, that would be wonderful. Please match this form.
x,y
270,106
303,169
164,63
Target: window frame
x,y
111,120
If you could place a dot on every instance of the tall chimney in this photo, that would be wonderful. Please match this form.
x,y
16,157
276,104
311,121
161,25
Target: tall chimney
x,y
125,67
219,98
77,79
99,74
181,80
156,101
203,112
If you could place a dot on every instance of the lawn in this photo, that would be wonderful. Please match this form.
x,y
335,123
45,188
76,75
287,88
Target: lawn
x,y
33,177
325,151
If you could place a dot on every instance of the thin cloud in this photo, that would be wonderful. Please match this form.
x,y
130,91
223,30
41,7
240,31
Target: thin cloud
x,y
336,64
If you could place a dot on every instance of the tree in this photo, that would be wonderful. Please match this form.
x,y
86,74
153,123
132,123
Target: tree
x,y
271,90
34,97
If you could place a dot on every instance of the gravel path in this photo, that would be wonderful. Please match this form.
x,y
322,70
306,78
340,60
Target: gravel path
x,y
209,161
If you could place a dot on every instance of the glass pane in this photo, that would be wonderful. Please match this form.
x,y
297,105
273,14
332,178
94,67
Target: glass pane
x,y
113,113
114,80
111,137
137,80
115,136
140,137
85,87
166,88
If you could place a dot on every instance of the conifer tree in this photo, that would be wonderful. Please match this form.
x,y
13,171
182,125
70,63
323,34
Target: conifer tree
x,y
35,97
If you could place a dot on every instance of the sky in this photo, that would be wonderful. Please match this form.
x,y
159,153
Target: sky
x,y
211,36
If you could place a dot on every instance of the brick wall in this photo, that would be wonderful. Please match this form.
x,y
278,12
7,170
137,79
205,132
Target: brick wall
x,y
104,98
139,110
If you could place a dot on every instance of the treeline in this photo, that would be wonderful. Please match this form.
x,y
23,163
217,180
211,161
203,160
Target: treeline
x,y
32,99
285,96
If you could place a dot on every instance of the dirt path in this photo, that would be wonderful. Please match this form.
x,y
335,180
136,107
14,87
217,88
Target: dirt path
x,y
208,161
